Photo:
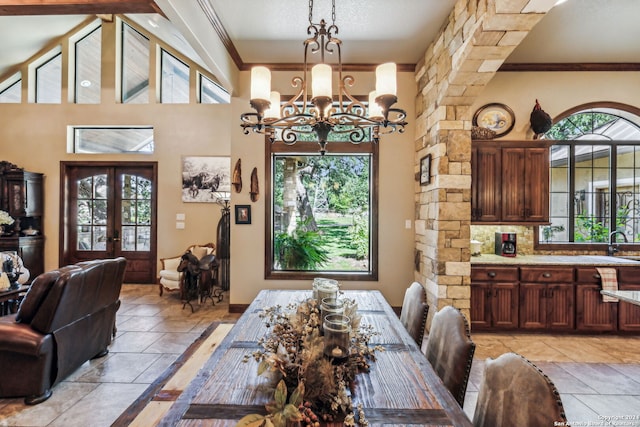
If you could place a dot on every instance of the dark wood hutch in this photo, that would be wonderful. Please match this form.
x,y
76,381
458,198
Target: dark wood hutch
x,y
21,195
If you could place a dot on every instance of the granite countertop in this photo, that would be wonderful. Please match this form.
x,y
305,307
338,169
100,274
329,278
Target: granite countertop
x,y
600,260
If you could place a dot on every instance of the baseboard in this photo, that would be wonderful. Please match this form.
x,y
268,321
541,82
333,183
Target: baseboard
x,y
238,308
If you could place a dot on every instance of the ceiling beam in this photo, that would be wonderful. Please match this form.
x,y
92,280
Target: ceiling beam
x,y
76,7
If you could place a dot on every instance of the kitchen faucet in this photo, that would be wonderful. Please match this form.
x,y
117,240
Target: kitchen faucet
x,y
613,244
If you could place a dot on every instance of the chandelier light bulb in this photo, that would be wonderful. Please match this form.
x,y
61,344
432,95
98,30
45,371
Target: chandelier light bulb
x,y
273,112
260,83
386,79
321,81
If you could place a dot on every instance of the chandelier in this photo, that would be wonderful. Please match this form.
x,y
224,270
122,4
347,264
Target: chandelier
x,y
315,112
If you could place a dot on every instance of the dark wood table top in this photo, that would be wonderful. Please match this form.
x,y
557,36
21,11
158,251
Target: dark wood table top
x,y
401,388
11,293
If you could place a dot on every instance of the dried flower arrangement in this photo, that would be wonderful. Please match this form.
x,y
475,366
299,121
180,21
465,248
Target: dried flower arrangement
x,y
292,354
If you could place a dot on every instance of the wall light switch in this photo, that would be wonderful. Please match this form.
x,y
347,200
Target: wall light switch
x,y
180,225
180,217
407,224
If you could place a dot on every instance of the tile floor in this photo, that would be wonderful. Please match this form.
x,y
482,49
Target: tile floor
x,y
596,376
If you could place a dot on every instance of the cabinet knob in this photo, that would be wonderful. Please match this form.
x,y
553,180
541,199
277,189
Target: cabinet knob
x,y
546,275
491,274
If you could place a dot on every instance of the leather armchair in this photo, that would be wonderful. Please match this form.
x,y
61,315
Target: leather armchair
x,y
66,318
172,280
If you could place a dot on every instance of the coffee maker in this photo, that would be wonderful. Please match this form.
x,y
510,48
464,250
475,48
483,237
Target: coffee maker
x,y
506,244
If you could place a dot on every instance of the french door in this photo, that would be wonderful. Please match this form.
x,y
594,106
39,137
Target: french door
x,y
109,210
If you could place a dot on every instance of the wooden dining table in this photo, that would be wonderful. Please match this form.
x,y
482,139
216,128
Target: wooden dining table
x,y
400,389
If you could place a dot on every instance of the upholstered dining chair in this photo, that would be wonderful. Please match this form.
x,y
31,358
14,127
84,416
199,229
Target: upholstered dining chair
x,y
413,314
515,392
450,350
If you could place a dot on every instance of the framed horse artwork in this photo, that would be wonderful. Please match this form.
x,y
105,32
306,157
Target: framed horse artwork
x,y
203,176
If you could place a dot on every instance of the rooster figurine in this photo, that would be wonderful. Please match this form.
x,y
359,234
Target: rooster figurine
x,y
540,120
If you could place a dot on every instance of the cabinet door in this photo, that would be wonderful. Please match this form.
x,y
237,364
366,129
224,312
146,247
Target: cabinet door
x,y
536,185
533,307
504,308
561,312
32,253
628,314
591,313
513,184
33,194
480,306
485,184
15,190
525,184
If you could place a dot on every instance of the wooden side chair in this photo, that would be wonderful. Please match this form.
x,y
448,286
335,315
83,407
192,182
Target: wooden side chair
x,y
450,350
515,392
413,314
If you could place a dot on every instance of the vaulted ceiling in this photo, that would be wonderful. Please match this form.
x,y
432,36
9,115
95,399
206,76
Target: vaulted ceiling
x,y
574,32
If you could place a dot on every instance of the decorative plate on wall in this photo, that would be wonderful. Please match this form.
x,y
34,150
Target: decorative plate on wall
x,y
495,116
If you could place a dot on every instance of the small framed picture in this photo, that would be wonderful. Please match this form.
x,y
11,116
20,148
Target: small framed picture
x,y
425,170
243,214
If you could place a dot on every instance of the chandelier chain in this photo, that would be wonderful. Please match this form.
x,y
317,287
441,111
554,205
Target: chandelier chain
x,y
333,12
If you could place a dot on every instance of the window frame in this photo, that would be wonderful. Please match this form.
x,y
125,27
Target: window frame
x,y
163,58
613,144
311,148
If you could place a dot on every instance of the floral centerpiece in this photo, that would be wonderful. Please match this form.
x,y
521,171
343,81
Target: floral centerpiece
x,y
310,386
5,219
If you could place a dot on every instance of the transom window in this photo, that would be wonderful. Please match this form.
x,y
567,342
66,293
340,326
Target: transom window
x,y
594,178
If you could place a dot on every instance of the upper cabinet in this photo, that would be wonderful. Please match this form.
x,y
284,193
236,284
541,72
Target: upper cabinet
x,y
510,182
24,193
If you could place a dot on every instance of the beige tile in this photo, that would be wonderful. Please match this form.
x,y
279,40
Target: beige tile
x,y
100,407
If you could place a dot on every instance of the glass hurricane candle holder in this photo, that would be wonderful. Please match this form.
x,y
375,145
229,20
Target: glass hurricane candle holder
x,y
330,306
324,288
337,337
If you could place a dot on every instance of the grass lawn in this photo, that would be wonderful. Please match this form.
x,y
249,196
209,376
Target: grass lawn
x,y
335,230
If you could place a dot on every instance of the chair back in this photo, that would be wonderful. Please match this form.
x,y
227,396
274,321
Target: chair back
x,y
514,392
450,350
414,311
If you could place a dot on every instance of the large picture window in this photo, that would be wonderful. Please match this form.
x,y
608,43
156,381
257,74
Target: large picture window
x,y
594,178
322,212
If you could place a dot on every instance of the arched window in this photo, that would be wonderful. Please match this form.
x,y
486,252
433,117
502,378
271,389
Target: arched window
x,y
594,176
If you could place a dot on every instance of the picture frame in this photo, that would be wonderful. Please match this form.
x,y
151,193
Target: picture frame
x,y
496,117
243,214
203,176
425,170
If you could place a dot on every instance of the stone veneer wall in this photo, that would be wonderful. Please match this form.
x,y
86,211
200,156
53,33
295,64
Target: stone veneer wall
x,y
478,36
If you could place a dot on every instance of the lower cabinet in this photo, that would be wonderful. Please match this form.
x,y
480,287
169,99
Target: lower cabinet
x,y
628,314
547,299
554,298
32,253
592,313
494,298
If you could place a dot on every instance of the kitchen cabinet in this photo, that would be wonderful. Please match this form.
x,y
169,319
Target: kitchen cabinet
x,y
547,298
494,298
510,182
485,183
593,314
628,314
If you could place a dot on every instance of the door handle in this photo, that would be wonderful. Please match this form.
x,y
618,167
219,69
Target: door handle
x,y
116,236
